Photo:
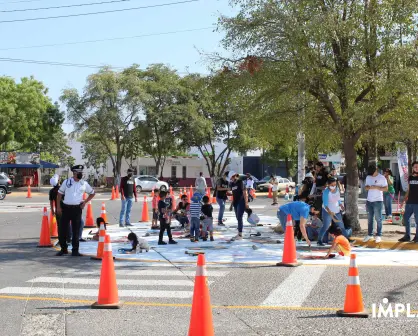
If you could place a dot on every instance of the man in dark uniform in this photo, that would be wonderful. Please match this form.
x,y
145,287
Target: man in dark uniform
x,y
71,209
127,191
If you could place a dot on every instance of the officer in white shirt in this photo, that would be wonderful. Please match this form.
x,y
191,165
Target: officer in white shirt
x,y
376,184
71,210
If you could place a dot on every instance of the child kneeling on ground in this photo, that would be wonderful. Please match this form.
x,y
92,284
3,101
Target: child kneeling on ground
x,y
340,243
207,210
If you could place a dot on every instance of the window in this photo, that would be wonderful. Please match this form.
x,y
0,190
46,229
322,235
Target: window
x,y
281,181
184,172
152,179
286,181
173,171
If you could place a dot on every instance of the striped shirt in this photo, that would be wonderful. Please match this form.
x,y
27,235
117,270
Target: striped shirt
x,y
195,209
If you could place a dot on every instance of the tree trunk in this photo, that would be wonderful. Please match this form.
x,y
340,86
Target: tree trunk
x,y
351,200
410,156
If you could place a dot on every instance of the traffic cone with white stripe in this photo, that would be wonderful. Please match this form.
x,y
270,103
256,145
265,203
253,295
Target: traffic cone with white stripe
x,y
201,323
353,306
100,246
45,238
29,195
89,223
103,212
108,289
289,258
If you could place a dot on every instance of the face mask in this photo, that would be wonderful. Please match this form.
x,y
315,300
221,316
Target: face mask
x,y
332,187
79,175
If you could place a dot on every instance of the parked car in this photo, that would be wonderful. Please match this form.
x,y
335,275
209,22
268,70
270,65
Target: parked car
x,y
283,184
5,186
148,183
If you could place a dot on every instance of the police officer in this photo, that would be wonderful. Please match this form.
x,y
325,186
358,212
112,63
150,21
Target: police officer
x,y
72,207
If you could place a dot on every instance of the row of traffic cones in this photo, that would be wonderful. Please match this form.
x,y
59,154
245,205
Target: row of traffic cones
x,y
115,193
353,306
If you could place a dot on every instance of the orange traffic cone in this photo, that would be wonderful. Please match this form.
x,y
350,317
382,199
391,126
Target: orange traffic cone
x,y
214,200
270,195
45,238
201,323
289,250
173,204
353,306
84,196
152,193
190,191
29,192
253,194
89,223
103,212
53,228
100,245
117,192
108,289
113,197
145,215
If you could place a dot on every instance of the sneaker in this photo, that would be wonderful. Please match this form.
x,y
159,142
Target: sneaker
x,y
367,238
274,203
389,217
211,239
378,239
76,254
205,239
238,237
128,225
121,225
61,253
162,243
221,224
320,244
415,240
405,239
192,240
196,240
351,240
82,240
173,242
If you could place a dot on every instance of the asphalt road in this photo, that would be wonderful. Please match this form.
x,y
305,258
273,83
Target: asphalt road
x,y
41,294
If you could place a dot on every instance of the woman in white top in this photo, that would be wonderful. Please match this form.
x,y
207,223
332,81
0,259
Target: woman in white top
x,y
250,186
331,210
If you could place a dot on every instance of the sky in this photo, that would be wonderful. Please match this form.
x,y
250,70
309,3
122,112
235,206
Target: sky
x,y
179,50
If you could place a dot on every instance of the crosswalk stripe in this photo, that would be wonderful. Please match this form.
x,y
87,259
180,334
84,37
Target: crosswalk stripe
x,y
66,292
154,273
128,282
302,278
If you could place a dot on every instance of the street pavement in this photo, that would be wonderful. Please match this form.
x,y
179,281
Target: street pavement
x,y
41,294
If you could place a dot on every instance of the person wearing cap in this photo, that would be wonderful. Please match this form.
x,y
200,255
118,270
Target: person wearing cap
x,y
71,208
239,199
274,181
127,191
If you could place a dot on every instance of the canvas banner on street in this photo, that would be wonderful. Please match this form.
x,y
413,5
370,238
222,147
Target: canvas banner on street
x,y
403,168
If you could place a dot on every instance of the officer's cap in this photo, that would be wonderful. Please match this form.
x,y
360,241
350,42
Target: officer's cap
x,y
77,168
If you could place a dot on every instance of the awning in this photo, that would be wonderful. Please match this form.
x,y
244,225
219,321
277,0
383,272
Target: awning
x,y
50,165
33,166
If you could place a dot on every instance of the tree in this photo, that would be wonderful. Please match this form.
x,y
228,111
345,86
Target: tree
x,y
354,61
27,115
216,117
164,110
108,107
95,153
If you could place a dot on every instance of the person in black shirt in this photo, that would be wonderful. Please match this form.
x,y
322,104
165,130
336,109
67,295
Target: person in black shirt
x,y
411,206
53,193
239,200
207,210
127,191
164,217
181,212
221,196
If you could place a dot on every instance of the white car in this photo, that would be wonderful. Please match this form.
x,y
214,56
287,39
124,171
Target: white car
x,y
283,183
148,183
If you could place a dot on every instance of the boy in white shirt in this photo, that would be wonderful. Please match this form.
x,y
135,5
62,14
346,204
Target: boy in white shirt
x,y
376,184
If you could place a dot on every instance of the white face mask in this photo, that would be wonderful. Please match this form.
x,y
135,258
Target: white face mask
x,y
332,187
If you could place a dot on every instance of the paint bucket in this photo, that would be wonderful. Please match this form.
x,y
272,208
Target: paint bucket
x,y
397,218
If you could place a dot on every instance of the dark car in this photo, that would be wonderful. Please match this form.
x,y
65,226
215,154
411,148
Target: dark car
x,y
5,186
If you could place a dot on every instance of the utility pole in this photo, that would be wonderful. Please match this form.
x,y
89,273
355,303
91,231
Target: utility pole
x,y
301,145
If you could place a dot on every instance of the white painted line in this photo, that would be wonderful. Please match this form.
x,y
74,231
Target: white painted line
x,y
67,292
294,290
45,325
154,273
127,282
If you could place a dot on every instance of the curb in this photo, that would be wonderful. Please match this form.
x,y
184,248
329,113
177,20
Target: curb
x,y
389,245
